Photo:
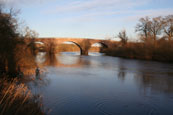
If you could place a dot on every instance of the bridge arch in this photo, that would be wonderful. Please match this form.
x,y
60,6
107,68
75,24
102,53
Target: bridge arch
x,y
35,45
98,47
83,44
104,45
78,45
39,43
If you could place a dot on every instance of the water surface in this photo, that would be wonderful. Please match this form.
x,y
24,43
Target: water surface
x,y
103,85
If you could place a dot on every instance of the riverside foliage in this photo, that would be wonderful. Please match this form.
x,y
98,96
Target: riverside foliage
x,y
15,97
156,41
13,53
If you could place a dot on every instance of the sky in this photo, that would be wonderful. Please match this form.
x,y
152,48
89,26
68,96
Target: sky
x,y
102,19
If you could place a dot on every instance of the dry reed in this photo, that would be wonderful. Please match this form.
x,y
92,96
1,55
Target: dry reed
x,y
16,98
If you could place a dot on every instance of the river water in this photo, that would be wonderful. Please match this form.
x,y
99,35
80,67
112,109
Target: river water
x,y
103,85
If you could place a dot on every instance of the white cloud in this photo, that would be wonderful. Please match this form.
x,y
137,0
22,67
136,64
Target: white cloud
x,y
93,10
14,3
95,5
151,13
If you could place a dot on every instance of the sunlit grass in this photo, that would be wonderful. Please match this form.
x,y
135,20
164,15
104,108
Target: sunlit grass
x,y
16,98
163,51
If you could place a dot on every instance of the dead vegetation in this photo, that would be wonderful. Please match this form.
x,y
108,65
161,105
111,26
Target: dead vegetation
x,y
17,99
156,41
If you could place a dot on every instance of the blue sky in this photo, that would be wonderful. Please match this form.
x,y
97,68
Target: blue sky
x,y
88,18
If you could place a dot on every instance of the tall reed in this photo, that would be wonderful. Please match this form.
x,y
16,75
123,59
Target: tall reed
x,y
16,98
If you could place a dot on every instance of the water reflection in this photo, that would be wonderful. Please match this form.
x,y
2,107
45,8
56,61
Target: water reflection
x,y
41,81
50,60
68,59
61,60
121,70
40,57
99,85
155,82
159,78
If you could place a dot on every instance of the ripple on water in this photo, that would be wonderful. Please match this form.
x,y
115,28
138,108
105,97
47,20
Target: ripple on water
x,y
96,87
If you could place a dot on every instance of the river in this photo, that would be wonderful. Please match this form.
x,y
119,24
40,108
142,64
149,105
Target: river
x,y
104,85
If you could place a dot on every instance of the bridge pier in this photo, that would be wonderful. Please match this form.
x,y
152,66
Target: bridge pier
x,y
84,52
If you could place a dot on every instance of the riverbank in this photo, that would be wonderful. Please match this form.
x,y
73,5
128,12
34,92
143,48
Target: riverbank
x,y
16,98
162,51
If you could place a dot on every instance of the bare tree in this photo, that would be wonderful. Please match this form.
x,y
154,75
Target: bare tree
x,y
156,25
150,28
28,33
123,36
31,35
143,27
168,26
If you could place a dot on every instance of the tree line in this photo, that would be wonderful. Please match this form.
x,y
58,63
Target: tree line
x,y
150,29
156,40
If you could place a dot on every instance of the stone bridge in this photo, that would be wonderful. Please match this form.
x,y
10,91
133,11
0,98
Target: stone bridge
x,y
83,44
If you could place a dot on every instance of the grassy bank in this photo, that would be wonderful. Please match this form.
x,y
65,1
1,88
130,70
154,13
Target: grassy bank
x,y
162,51
17,99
